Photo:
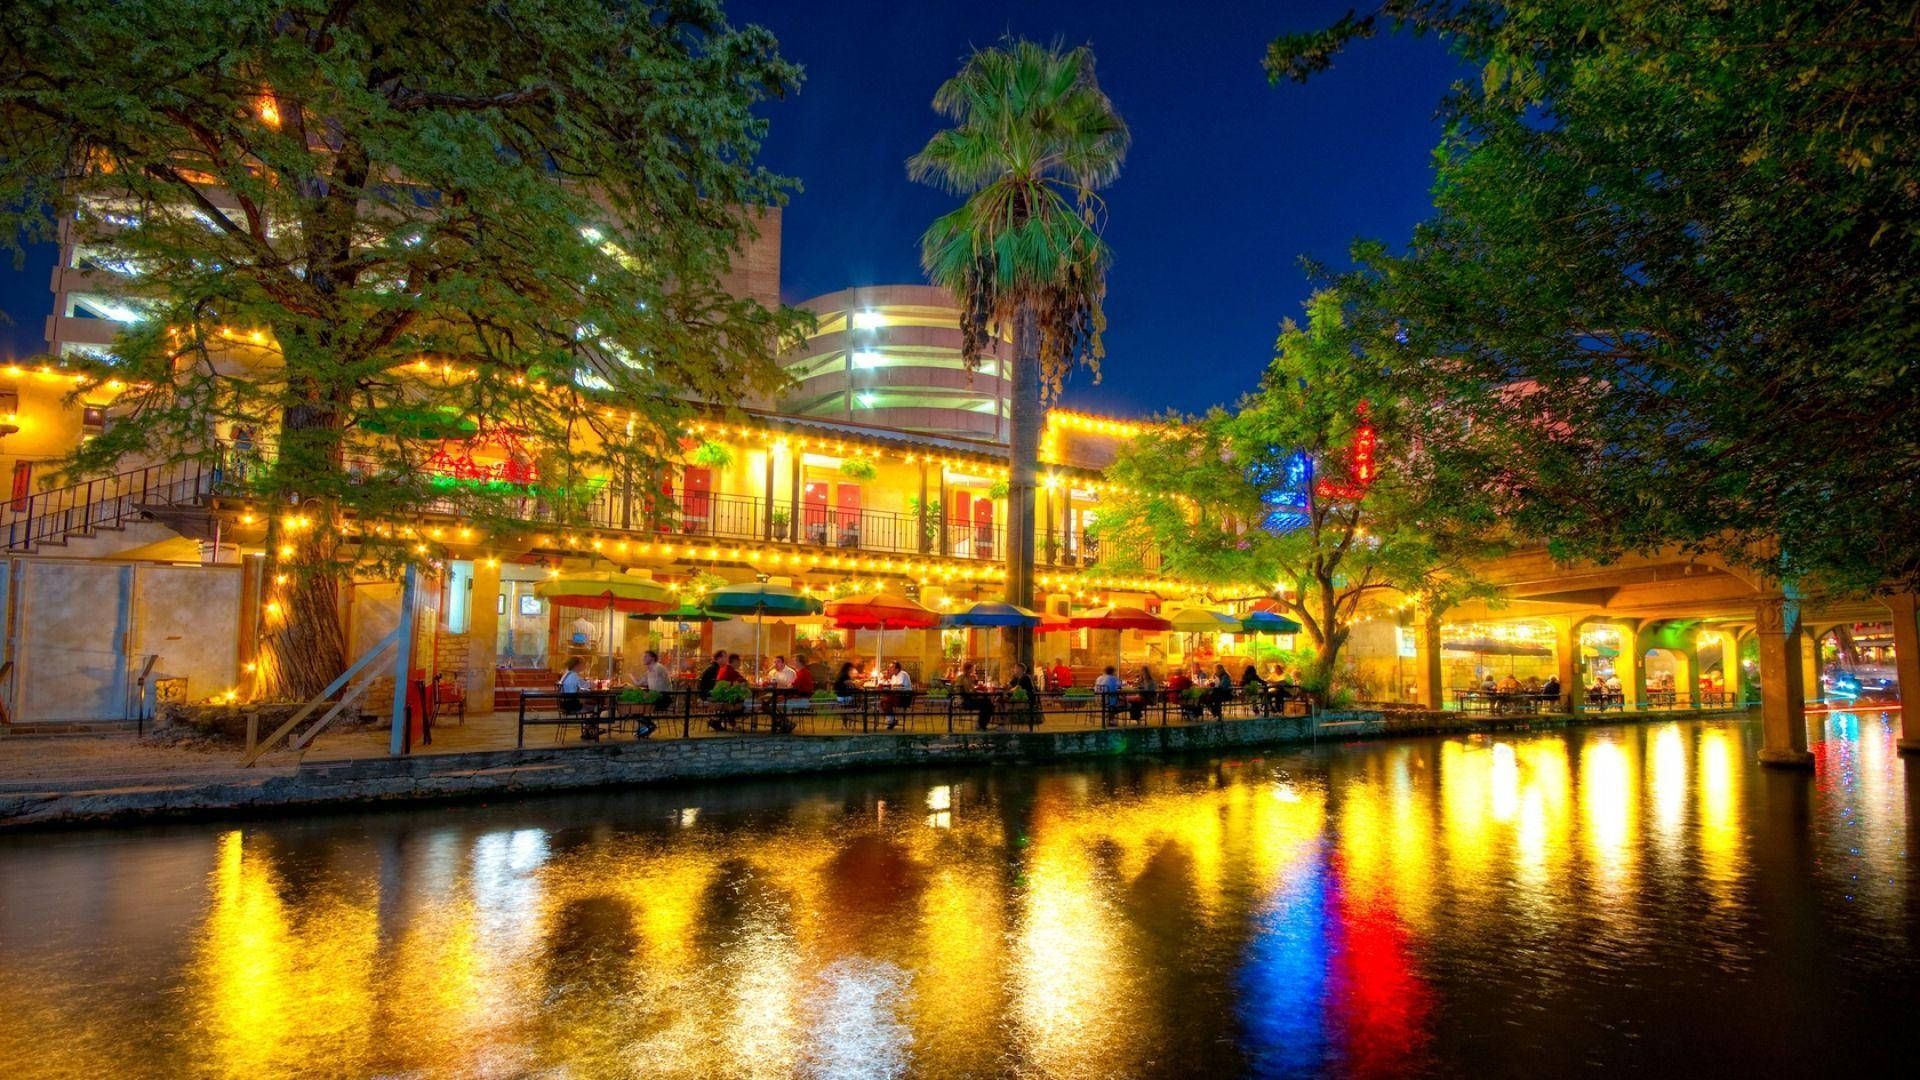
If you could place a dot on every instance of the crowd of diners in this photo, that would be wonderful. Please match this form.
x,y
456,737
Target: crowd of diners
x,y
893,688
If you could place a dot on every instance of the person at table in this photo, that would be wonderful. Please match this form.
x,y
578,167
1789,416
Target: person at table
x,y
1550,690
1177,686
780,676
974,696
846,685
896,692
572,683
1222,691
654,678
1108,687
730,671
711,674
816,669
1254,688
1021,680
1509,685
1060,677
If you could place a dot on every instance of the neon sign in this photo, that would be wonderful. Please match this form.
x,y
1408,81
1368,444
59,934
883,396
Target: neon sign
x,y
1288,488
455,460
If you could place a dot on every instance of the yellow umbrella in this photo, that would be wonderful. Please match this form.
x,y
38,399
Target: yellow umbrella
x,y
608,591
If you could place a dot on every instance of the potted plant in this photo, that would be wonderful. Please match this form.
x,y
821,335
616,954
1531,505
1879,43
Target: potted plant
x,y
858,469
637,696
998,490
712,455
780,520
731,694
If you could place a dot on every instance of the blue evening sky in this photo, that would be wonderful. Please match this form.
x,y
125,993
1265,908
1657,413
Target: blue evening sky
x,y
1228,183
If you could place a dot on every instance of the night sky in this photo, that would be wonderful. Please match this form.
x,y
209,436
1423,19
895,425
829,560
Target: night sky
x,y
1229,181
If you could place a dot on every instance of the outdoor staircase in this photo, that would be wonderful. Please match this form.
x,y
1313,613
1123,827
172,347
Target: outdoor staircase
x,y
63,516
508,682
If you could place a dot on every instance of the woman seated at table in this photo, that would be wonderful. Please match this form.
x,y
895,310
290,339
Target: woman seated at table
x,y
974,696
1254,688
1021,680
1177,686
846,685
572,683
1146,691
1108,687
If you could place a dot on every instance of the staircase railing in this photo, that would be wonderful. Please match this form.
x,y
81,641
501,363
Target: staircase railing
x,y
103,502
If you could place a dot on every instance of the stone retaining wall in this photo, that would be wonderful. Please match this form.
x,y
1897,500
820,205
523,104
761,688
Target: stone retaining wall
x,y
502,772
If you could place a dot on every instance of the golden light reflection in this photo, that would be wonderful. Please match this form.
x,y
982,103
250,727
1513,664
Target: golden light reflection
x,y
1719,831
1608,813
1667,787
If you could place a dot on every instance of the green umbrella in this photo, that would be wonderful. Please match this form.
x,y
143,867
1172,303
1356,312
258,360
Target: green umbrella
x,y
759,601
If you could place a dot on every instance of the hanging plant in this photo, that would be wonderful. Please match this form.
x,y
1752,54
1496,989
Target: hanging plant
x,y
998,490
713,455
858,469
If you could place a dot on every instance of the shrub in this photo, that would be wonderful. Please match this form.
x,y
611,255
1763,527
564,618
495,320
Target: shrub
x,y
858,469
712,455
636,696
729,693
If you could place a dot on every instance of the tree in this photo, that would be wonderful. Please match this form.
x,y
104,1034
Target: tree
x,y
1673,275
356,234
1314,490
1033,140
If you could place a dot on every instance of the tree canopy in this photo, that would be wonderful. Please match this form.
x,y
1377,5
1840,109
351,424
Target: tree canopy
x,y
348,232
1315,489
1672,279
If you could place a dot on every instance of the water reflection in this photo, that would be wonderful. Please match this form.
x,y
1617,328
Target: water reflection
x,y
1613,895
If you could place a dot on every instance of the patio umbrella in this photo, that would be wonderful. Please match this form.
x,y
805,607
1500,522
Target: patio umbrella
x,y
1194,621
758,602
1052,624
1117,618
685,613
992,614
882,612
1267,622
606,591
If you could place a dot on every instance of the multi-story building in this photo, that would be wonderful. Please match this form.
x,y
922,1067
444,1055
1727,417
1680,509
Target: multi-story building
x,y
889,355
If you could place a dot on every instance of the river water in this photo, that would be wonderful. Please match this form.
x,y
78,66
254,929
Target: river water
x,y
1530,905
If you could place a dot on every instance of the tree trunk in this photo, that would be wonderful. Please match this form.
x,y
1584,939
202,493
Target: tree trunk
x,y
1023,453
302,645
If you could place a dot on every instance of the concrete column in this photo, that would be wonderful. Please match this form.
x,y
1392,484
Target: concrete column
x,y
1427,660
1633,682
483,631
1730,666
1906,665
1810,667
1686,676
1783,711
1566,654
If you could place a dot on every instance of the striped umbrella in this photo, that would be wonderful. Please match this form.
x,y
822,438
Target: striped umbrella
x,y
758,602
605,591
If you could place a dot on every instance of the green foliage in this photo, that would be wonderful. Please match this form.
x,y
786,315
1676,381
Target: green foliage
x,y
712,455
1196,489
858,469
512,221
824,697
1033,139
729,693
1019,696
1672,278
998,490
635,696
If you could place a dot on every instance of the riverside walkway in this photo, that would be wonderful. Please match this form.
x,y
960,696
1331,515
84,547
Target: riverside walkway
x,y
60,779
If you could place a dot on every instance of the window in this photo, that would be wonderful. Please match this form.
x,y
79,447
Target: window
x,y
93,419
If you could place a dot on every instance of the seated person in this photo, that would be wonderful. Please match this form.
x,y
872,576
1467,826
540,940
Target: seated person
x,y
1107,686
846,685
1021,680
897,692
572,684
1177,686
974,696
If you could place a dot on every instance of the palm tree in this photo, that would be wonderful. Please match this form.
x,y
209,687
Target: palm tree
x,y
1033,139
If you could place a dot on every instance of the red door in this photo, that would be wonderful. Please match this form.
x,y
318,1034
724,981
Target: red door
x,y
983,528
849,515
698,505
813,515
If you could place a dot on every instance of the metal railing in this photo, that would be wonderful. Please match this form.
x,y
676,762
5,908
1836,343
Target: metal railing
x,y
79,508
690,713
632,506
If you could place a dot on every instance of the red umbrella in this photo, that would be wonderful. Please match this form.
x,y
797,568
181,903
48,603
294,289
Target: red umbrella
x,y
1051,623
1118,618
879,611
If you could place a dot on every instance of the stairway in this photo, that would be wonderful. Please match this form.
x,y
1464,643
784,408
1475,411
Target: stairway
x,y
65,515
508,682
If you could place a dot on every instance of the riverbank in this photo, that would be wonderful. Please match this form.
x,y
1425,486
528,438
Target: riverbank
x,y
218,789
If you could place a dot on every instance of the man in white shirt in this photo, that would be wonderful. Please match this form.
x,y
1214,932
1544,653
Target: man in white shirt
x,y
781,676
654,674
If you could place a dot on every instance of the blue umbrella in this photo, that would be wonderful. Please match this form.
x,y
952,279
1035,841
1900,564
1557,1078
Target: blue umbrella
x,y
1266,622
991,613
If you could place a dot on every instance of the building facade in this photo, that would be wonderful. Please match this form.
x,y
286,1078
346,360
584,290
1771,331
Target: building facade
x,y
890,356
